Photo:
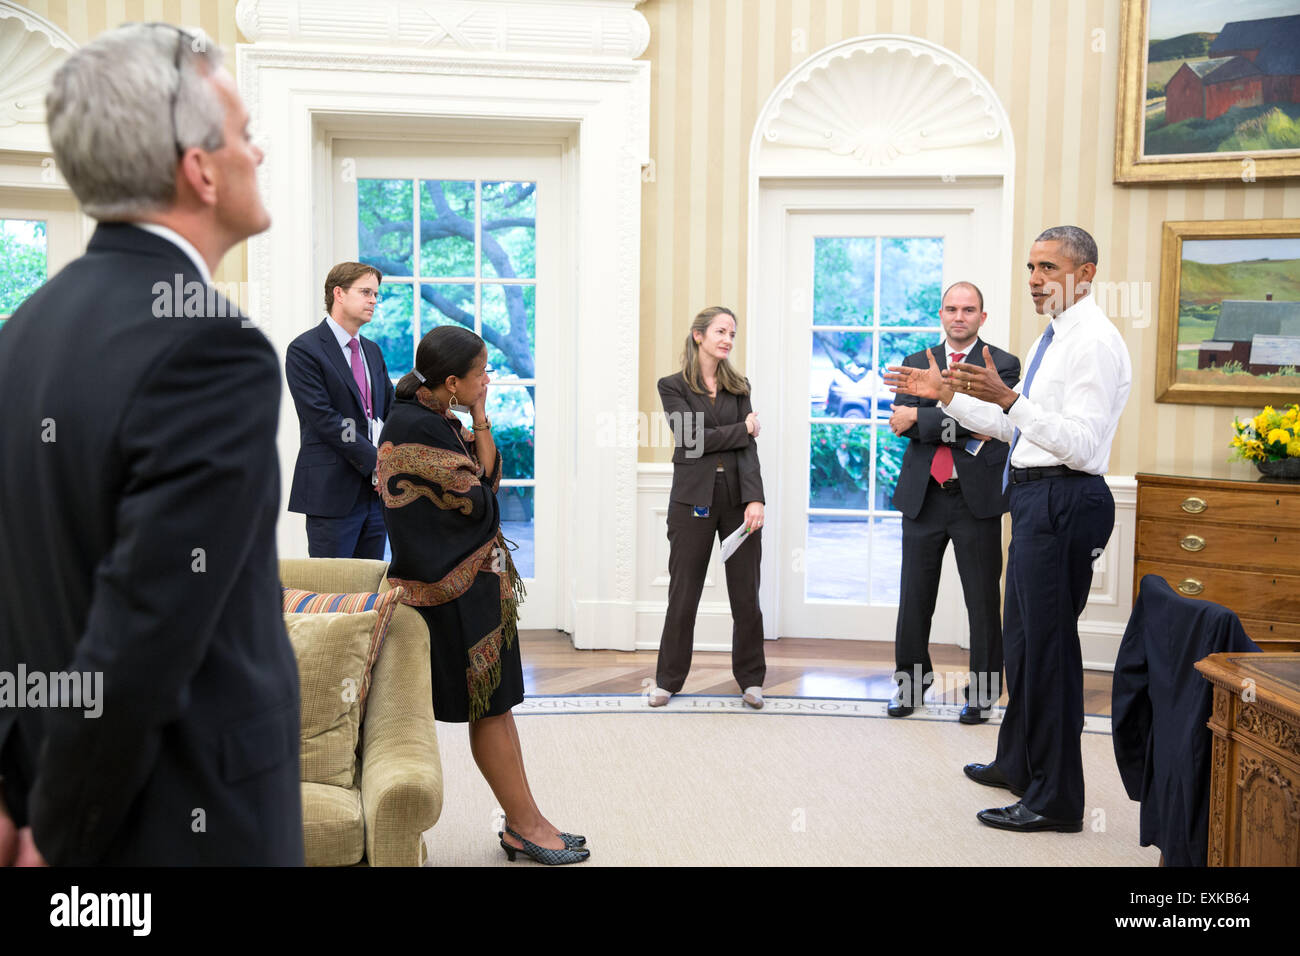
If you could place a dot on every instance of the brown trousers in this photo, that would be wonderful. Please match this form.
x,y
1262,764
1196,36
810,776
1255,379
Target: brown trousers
x,y
690,542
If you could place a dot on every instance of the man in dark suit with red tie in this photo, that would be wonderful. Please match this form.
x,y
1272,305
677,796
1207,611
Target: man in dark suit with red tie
x,y
949,489
342,393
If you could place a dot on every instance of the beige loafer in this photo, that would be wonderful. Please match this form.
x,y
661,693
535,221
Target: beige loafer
x,y
658,696
754,697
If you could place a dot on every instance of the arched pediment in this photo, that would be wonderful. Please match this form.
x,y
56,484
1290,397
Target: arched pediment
x,y
887,103
31,49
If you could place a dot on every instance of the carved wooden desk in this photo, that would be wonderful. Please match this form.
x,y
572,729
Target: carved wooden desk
x,y
1255,764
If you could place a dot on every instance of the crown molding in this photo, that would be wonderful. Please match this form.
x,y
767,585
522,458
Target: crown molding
x,y
604,28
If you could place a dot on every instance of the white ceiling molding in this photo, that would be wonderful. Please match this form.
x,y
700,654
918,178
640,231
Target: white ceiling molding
x,y
585,27
31,49
884,102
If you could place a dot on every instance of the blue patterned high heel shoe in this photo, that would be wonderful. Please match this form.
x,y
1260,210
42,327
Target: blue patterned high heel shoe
x,y
571,840
541,854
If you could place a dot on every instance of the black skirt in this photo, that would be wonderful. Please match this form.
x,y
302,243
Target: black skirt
x,y
476,612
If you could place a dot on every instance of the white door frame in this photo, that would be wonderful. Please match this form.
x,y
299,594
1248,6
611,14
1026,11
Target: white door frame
x,y
844,122
294,90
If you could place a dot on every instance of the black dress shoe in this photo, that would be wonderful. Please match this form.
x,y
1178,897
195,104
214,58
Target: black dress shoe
x,y
1021,818
973,715
897,706
989,775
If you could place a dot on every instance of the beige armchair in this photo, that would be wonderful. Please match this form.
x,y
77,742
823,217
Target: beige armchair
x,y
398,791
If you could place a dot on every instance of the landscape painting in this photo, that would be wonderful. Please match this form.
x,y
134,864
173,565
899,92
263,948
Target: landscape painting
x,y
1230,312
1210,89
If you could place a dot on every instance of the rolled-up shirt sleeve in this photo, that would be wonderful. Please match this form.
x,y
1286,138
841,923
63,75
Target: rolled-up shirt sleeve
x,y
982,418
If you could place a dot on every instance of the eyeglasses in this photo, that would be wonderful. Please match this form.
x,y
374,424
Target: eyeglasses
x,y
181,37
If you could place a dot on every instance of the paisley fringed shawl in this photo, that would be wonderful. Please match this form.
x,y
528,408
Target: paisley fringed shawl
x,y
442,519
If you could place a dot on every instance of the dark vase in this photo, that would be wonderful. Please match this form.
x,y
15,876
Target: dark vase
x,y
1282,468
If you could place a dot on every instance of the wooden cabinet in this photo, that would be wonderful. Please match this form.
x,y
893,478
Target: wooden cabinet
x,y
1236,543
1255,761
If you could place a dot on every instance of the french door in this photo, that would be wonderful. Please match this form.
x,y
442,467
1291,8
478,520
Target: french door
x,y
467,234
866,290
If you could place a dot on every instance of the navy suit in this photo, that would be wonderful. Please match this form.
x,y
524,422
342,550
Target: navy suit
x,y
968,513
137,540
336,458
1160,706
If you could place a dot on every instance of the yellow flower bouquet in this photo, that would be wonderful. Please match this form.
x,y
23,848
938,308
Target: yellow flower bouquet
x,y
1271,440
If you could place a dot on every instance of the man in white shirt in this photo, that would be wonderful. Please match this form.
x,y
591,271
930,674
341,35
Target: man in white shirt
x,y
1060,421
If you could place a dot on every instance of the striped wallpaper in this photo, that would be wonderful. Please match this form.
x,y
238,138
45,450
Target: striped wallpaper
x,y
1053,63
714,63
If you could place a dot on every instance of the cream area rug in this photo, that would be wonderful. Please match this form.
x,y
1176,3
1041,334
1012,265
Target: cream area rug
x,y
707,782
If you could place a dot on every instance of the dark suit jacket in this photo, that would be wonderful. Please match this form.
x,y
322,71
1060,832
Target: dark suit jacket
x,y
330,470
138,508
724,438
1159,708
979,476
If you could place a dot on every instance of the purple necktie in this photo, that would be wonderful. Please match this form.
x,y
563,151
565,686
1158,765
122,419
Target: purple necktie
x,y
359,373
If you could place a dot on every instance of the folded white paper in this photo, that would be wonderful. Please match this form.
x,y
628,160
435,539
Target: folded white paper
x,y
734,540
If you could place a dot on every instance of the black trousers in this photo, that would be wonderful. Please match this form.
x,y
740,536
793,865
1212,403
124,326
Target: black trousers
x,y
1059,526
358,534
977,543
690,543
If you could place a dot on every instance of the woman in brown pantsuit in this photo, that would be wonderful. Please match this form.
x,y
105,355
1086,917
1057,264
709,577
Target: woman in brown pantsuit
x,y
716,488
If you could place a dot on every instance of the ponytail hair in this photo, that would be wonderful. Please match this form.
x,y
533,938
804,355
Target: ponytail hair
x,y
444,351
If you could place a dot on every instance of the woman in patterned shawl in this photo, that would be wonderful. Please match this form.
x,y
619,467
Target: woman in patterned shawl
x,y
438,481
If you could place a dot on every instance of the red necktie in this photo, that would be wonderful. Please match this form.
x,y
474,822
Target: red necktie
x,y
941,465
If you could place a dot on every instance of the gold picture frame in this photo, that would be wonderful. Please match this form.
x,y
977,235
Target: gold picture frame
x,y
1208,383
1133,165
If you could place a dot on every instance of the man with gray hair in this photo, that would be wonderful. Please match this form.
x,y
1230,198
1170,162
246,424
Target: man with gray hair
x,y
149,556
1060,421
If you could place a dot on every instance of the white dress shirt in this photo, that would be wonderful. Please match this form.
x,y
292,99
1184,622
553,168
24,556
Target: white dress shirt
x,y
343,338
1073,407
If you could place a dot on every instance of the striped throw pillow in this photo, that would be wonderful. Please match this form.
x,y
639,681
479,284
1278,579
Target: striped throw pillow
x,y
297,601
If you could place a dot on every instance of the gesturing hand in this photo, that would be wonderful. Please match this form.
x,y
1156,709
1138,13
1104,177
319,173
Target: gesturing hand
x,y
921,382
982,382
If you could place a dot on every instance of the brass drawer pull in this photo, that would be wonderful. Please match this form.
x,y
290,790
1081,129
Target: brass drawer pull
x,y
1194,506
1193,542
1191,586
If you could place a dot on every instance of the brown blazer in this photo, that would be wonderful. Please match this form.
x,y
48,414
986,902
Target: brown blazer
x,y
725,440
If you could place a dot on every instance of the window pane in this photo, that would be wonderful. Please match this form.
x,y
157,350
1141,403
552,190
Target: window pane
x,y
911,279
839,466
836,557
889,460
22,261
508,329
393,329
446,229
384,224
445,304
844,280
516,506
511,410
509,230
896,346
843,381
886,559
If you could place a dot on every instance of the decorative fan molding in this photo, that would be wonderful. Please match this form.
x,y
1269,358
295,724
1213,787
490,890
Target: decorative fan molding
x,y
878,99
586,27
31,49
